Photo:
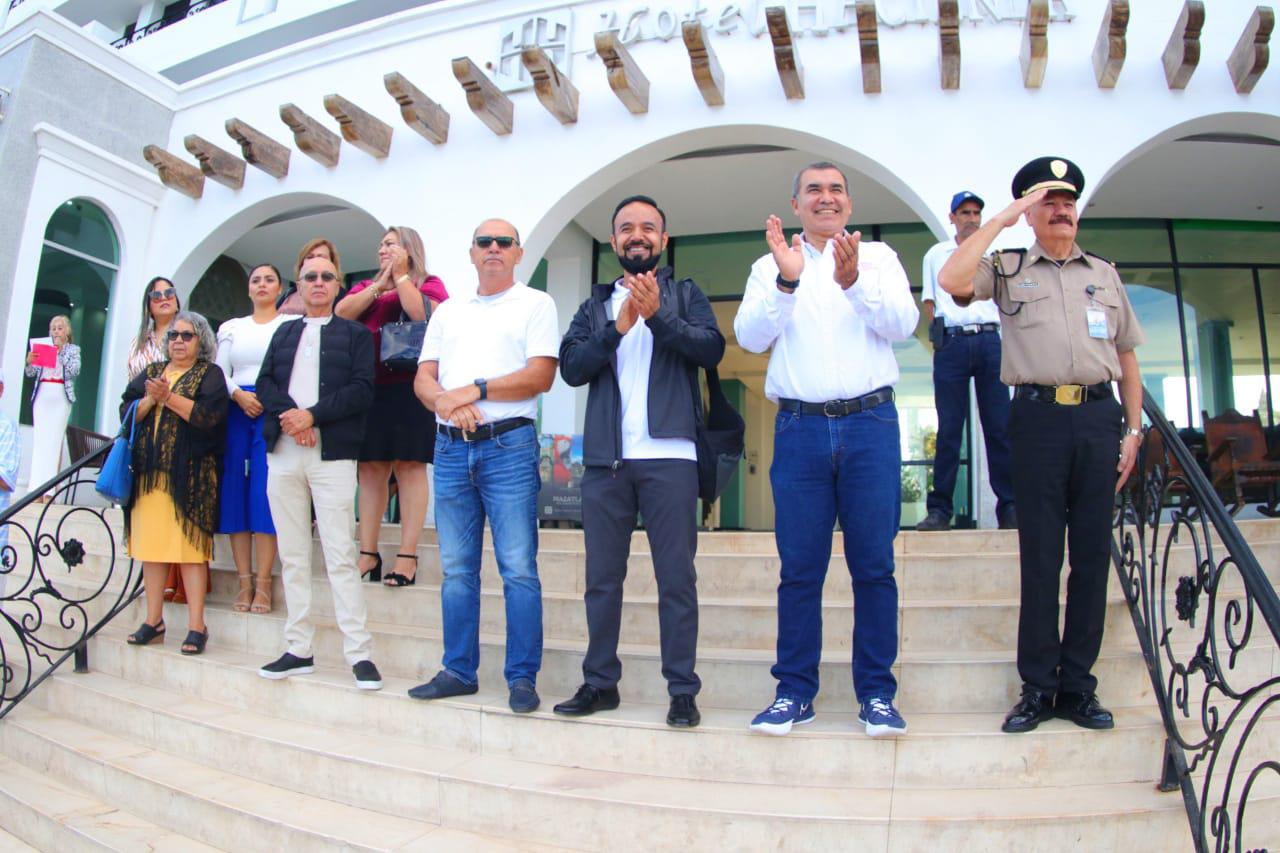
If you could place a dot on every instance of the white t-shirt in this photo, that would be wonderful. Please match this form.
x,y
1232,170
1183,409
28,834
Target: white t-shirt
x,y
635,355
978,311
242,345
482,337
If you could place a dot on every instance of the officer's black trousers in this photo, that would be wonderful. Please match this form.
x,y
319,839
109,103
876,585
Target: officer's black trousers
x,y
1064,477
665,492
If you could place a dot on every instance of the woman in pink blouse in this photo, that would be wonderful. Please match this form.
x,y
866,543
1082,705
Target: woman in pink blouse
x,y
400,434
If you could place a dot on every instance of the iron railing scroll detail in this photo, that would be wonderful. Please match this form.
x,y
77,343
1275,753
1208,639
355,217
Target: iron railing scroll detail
x,y
160,23
1208,622
62,578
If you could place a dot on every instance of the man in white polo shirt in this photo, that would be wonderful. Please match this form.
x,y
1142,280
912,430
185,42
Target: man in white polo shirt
x,y
485,360
966,345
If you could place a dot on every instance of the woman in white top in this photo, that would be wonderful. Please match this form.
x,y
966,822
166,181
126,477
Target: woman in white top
x,y
245,515
51,400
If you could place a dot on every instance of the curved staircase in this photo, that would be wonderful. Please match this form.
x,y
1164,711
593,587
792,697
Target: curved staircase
x,y
152,750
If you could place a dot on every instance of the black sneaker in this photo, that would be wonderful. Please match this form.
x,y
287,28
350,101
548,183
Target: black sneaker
x,y
523,698
935,520
288,665
367,675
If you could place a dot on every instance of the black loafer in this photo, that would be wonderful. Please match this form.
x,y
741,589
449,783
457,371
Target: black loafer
x,y
444,685
1084,710
934,521
1032,709
523,698
684,712
588,700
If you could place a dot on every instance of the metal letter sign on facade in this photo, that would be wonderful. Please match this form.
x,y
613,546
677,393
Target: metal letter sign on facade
x,y
553,31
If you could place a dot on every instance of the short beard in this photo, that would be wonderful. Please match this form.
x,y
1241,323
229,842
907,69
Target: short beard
x,y
638,266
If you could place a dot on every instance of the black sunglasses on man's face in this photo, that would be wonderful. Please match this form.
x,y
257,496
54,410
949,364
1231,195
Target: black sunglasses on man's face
x,y
326,277
484,241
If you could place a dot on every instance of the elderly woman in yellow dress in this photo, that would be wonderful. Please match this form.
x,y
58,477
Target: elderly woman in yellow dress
x,y
177,465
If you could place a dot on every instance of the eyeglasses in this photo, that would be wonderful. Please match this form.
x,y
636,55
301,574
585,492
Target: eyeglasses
x,y
161,295
326,277
484,241
187,337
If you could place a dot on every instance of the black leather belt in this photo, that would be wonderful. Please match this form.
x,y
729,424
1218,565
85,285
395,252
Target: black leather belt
x,y
484,431
972,329
838,408
1064,395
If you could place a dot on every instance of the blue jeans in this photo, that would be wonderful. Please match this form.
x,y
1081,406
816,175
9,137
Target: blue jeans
x,y
823,469
495,478
954,363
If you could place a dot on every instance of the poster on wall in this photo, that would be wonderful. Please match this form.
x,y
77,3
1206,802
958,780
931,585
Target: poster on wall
x,y
560,467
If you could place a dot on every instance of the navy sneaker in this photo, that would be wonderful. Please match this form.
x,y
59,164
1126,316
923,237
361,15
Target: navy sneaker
x,y
882,719
784,713
287,665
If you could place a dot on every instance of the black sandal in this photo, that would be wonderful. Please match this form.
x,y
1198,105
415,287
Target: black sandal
x,y
374,574
147,634
195,640
397,579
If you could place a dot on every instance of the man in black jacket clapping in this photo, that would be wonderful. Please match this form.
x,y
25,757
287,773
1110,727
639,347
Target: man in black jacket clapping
x,y
315,386
639,341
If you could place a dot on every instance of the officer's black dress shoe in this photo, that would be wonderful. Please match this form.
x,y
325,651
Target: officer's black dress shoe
x,y
935,520
1009,519
1032,709
684,712
1084,710
588,700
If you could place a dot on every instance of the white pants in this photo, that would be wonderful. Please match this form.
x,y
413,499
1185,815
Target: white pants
x,y
49,415
296,479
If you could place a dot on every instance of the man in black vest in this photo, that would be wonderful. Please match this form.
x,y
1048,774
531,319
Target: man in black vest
x,y
315,385
639,341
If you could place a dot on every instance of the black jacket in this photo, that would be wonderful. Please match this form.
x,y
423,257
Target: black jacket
x,y
682,342
346,385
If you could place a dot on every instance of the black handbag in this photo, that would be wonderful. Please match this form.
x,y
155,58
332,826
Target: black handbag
x,y
721,434
401,341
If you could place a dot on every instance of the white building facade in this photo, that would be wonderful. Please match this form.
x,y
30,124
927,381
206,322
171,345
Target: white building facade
x,y
1195,164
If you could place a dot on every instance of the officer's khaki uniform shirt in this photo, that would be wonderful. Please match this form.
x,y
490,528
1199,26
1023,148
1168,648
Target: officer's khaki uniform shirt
x,y
1044,322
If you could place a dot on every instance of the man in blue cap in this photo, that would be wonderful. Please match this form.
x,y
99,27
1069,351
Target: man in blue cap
x,y
966,346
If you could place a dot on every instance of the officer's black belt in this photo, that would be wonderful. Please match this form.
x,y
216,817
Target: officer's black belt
x,y
972,329
838,408
1064,395
484,431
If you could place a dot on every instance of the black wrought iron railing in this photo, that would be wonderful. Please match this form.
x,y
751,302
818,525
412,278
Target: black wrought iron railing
x,y
160,23
1208,621
56,593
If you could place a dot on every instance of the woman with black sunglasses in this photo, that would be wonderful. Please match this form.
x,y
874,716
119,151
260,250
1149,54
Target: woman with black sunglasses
x,y
172,513
160,304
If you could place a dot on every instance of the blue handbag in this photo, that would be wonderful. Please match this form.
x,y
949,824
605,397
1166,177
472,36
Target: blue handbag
x,y
115,479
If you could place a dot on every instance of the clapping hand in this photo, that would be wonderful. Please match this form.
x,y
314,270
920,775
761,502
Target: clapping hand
x,y
627,315
644,293
158,390
846,252
790,259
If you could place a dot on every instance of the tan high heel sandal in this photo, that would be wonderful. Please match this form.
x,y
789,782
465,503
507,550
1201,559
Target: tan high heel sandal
x,y
261,596
245,596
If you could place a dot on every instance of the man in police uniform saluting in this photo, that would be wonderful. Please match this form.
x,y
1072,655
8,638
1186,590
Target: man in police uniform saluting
x,y
1069,332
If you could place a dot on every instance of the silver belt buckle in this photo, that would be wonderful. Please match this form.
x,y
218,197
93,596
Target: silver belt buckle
x,y
971,328
467,437
832,408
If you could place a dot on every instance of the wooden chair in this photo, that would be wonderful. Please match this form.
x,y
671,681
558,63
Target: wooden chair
x,y
82,442
1240,466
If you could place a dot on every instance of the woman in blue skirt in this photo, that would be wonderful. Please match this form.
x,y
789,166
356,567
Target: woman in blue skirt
x,y
245,515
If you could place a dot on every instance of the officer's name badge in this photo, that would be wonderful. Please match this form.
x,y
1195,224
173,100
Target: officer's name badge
x,y
1026,282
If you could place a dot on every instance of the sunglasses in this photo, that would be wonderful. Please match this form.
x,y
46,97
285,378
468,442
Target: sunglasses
x,y
161,295
187,337
326,277
484,241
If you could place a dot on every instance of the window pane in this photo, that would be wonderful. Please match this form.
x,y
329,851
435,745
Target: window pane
x,y
1137,241
83,226
910,241
719,263
1203,241
1152,295
1270,281
1222,321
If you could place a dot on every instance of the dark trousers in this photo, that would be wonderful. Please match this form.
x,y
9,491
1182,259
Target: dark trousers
x,y
1064,478
665,492
959,359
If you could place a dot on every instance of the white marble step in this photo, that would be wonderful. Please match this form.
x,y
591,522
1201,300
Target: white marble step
x,y
579,807
944,750
52,816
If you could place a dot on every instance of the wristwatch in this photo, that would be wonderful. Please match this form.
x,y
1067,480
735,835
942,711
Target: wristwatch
x,y
483,385
787,283
1133,431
